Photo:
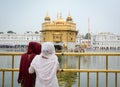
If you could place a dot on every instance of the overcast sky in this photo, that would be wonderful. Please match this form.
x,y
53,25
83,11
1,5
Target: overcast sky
x,y
28,15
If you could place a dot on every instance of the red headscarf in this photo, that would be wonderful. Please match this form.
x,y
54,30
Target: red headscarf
x,y
34,47
26,79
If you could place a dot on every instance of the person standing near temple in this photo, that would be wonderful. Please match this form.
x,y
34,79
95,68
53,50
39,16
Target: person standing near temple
x,y
45,66
24,78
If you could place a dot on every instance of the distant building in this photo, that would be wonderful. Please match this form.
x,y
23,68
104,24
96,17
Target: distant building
x,y
18,39
59,31
105,40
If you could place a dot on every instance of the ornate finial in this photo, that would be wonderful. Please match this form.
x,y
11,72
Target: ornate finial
x,y
60,15
69,14
47,18
47,14
57,15
69,18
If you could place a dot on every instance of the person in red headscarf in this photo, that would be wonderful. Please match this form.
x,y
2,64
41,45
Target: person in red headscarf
x,y
26,79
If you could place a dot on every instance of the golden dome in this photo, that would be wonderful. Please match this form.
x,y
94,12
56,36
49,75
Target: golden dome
x,y
69,18
47,18
60,21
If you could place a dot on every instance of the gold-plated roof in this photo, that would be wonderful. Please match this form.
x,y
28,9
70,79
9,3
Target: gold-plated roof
x,y
69,18
60,20
47,18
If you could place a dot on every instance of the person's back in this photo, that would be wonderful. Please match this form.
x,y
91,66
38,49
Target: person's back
x,y
45,66
26,79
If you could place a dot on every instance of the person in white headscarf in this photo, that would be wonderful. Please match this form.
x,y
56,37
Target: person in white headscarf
x,y
45,66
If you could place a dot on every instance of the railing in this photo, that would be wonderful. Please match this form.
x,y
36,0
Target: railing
x,y
88,71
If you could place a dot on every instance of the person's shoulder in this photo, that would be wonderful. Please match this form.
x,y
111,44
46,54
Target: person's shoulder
x,y
23,55
36,57
55,57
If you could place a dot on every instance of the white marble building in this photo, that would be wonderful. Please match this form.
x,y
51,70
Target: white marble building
x,y
105,40
12,39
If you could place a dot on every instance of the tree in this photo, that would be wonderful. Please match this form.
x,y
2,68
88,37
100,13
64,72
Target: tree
x,y
1,32
11,32
88,36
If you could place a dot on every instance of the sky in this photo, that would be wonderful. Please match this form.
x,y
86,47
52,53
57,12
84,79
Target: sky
x,y
28,15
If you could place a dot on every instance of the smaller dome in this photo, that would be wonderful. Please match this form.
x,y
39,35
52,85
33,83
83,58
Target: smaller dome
x,y
69,18
47,18
60,21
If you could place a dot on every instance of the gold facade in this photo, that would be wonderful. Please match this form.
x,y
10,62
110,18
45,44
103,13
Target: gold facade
x,y
59,30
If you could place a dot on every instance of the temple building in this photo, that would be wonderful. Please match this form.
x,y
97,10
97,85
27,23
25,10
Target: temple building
x,y
59,31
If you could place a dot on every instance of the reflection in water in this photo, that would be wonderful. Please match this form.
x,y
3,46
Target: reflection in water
x,y
85,62
70,79
67,79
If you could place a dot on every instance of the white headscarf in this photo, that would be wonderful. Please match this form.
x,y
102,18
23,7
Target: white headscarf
x,y
49,65
48,49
